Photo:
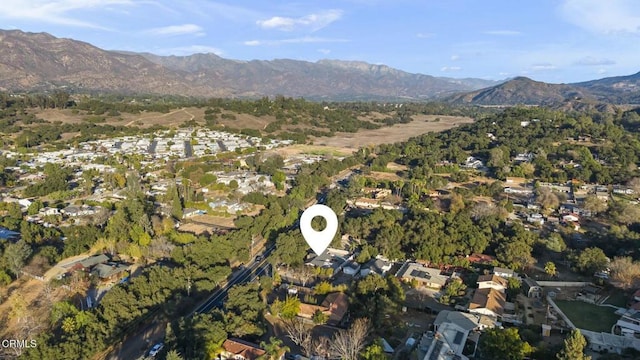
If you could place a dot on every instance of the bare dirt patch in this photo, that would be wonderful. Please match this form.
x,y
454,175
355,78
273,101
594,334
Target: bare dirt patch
x,y
298,149
244,121
396,133
213,220
396,167
378,175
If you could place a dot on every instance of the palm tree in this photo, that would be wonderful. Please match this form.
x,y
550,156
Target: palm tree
x,y
174,355
274,349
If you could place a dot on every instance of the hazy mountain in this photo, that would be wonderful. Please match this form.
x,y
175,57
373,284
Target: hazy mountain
x,y
322,79
39,61
618,89
522,90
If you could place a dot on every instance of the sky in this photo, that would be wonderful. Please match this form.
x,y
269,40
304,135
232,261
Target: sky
x,y
557,41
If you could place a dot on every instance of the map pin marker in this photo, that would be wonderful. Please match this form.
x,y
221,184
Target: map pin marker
x,y
318,240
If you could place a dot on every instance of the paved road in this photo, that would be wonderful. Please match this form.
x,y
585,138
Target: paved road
x,y
137,345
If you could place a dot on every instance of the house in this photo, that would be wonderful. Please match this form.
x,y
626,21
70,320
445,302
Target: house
x,y
352,268
88,263
337,305
376,266
467,321
622,190
423,275
189,212
492,281
488,302
629,323
504,272
524,157
109,271
334,305
535,219
332,258
472,163
76,211
609,343
49,211
308,310
531,288
241,350
24,203
447,343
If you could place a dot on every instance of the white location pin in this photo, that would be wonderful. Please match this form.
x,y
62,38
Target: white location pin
x,y
318,240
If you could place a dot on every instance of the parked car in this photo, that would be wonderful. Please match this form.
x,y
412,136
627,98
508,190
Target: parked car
x,y
156,349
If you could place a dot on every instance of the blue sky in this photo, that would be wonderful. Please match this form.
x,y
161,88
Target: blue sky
x,y
548,40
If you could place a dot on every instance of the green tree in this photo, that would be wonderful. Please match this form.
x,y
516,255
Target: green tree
x,y
555,243
375,351
274,349
5,279
573,348
550,268
320,317
503,344
591,260
245,310
16,255
174,355
290,307
323,288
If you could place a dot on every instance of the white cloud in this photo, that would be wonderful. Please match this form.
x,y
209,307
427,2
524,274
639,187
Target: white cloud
x,y
306,39
602,71
450,68
455,57
542,66
313,21
324,51
189,50
57,11
605,17
253,42
185,29
503,32
425,35
593,61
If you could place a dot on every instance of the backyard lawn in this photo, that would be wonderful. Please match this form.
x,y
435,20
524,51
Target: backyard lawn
x,y
589,316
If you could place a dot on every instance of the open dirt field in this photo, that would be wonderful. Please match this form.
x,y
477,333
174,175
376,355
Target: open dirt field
x,y
384,176
297,149
396,133
214,220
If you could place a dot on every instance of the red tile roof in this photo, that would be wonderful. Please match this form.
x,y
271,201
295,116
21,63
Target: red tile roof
x,y
245,349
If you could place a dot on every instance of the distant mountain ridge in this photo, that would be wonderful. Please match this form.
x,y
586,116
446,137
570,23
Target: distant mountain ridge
x,y
524,91
39,61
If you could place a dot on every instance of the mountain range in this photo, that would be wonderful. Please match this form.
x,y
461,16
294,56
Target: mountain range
x,y
40,61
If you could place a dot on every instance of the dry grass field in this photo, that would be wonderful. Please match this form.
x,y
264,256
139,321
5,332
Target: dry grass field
x,y
392,134
145,119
